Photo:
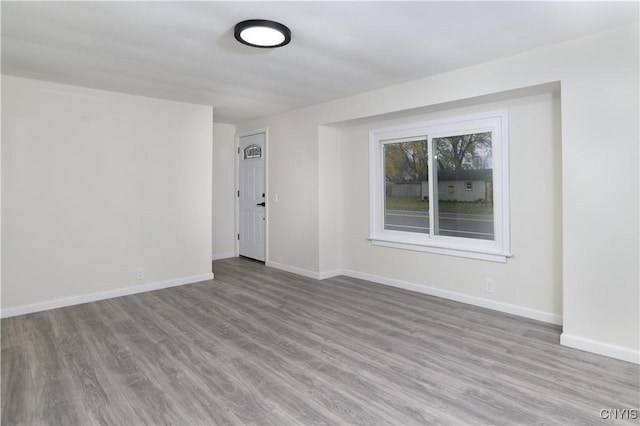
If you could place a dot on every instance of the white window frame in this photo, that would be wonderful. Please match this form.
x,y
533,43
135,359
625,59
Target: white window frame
x,y
497,250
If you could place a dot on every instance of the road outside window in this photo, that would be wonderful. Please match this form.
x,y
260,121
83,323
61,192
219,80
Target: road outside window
x,y
443,185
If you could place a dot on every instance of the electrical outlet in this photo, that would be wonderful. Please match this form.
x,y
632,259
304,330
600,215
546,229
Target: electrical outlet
x,y
140,273
490,285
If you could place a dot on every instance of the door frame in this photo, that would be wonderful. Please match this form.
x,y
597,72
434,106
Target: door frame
x,y
265,157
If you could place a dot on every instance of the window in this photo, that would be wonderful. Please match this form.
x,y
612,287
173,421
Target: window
x,y
252,151
442,187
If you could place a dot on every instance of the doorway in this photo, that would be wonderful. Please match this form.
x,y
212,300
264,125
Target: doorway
x,y
251,197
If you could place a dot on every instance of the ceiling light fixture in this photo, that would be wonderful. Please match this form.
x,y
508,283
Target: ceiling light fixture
x,y
262,33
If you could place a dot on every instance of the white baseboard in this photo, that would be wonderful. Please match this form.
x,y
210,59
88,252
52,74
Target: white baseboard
x,y
330,274
294,270
424,289
460,297
600,348
220,256
109,294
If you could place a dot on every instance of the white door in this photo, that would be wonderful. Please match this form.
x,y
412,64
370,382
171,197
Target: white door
x,y
251,197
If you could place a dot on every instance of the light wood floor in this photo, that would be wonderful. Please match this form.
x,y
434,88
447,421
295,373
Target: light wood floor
x,y
261,346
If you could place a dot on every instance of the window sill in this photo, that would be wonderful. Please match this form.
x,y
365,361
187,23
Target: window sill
x,y
470,253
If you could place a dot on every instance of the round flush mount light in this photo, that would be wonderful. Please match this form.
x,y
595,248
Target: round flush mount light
x,y
262,33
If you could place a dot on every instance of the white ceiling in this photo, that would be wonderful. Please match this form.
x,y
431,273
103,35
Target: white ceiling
x,y
185,51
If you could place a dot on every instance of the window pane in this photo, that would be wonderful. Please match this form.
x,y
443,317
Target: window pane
x,y
406,186
464,186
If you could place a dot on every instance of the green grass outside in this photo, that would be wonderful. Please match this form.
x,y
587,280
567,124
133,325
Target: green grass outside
x,y
413,203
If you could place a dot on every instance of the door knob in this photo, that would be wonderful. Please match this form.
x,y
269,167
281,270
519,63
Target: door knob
x,y
261,204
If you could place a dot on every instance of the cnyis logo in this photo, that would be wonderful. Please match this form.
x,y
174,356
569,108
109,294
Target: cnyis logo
x,y
619,414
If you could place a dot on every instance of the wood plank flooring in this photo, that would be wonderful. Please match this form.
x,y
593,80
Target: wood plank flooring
x,y
262,346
